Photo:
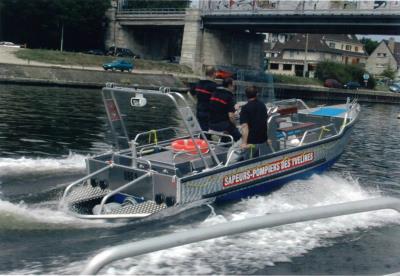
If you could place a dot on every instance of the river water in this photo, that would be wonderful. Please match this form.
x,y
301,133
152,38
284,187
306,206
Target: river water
x,y
46,133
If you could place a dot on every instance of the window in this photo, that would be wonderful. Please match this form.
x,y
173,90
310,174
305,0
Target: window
x,y
291,54
356,49
381,55
287,67
348,47
332,45
274,66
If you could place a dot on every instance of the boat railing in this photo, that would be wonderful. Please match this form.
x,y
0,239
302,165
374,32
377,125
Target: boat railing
x,y
141,247
137,160
319,133
352,108
81,180
109,165
153,134
121,188
292,101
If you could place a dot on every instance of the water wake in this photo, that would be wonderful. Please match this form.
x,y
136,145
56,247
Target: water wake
x,y
42,217
247,253
23,165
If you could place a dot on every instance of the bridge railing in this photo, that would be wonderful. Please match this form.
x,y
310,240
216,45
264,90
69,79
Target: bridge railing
x,y
164,11
236,227
299,7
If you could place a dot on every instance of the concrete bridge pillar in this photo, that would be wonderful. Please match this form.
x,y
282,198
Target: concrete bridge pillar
x,y
236,48
203,47
192,40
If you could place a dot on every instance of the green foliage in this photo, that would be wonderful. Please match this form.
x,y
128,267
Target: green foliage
x,y
154,4
38,23
389,73
295,80
342,72
369,44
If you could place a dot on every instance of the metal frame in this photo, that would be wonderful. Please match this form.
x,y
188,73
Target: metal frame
x,y
173,96
235,227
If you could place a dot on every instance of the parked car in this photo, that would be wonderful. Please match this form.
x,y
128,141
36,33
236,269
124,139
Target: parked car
x,y
96,52
9,44
395,87
332,83
352,85
119,64
121,52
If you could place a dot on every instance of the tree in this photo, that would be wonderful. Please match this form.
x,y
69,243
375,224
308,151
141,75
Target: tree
x,y
38,23
389,73
342,72
369,44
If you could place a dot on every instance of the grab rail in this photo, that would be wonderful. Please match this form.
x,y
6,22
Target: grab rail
x,y
235,227
175,129
292,100
79,181
315,130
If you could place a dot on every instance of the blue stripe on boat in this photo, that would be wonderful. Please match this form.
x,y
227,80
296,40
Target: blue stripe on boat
x,y
329,111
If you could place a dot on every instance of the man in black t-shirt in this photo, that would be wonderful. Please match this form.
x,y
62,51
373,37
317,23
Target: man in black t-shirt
x,y
203,90
253,121
222,110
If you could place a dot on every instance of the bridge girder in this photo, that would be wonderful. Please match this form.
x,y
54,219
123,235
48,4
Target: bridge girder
x,y
337,24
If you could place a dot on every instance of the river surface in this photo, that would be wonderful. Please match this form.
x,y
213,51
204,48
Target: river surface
x,y
46,133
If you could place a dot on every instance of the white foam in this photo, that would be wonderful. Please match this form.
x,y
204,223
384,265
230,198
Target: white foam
x,y
16,166
246,253
22,216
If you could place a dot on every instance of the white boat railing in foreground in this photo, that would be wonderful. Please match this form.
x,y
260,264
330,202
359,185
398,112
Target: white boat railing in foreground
x,y
236,227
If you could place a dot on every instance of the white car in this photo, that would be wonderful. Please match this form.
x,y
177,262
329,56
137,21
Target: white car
x,y
9,44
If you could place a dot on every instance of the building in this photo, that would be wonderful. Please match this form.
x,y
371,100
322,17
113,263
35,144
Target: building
x,y
289,58
385,56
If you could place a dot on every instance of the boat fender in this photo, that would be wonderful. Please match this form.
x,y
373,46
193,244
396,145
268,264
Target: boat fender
x,y
103,184
93,182
108,207
159,198
189,145
170,201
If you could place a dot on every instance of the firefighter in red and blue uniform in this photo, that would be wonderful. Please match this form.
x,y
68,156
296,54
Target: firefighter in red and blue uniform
x,y
222,110
203,91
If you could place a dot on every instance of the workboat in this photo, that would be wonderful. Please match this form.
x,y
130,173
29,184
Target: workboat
x,y
160,171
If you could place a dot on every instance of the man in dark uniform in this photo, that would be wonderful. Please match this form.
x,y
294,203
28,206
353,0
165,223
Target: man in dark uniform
x,y
253,122
203,91
222,110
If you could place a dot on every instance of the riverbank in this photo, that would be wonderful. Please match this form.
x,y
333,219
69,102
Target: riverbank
x,y
82,78
62,75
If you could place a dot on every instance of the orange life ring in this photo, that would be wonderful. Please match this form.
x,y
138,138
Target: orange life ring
x,y
188,145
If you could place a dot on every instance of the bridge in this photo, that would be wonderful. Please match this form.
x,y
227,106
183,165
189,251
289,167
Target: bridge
x,y
220,31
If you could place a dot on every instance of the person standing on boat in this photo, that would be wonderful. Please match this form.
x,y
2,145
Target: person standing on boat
x,y
203,91
253,123
222,110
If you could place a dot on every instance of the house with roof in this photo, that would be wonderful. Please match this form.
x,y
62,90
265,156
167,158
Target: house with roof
x,y
385,56
290,57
